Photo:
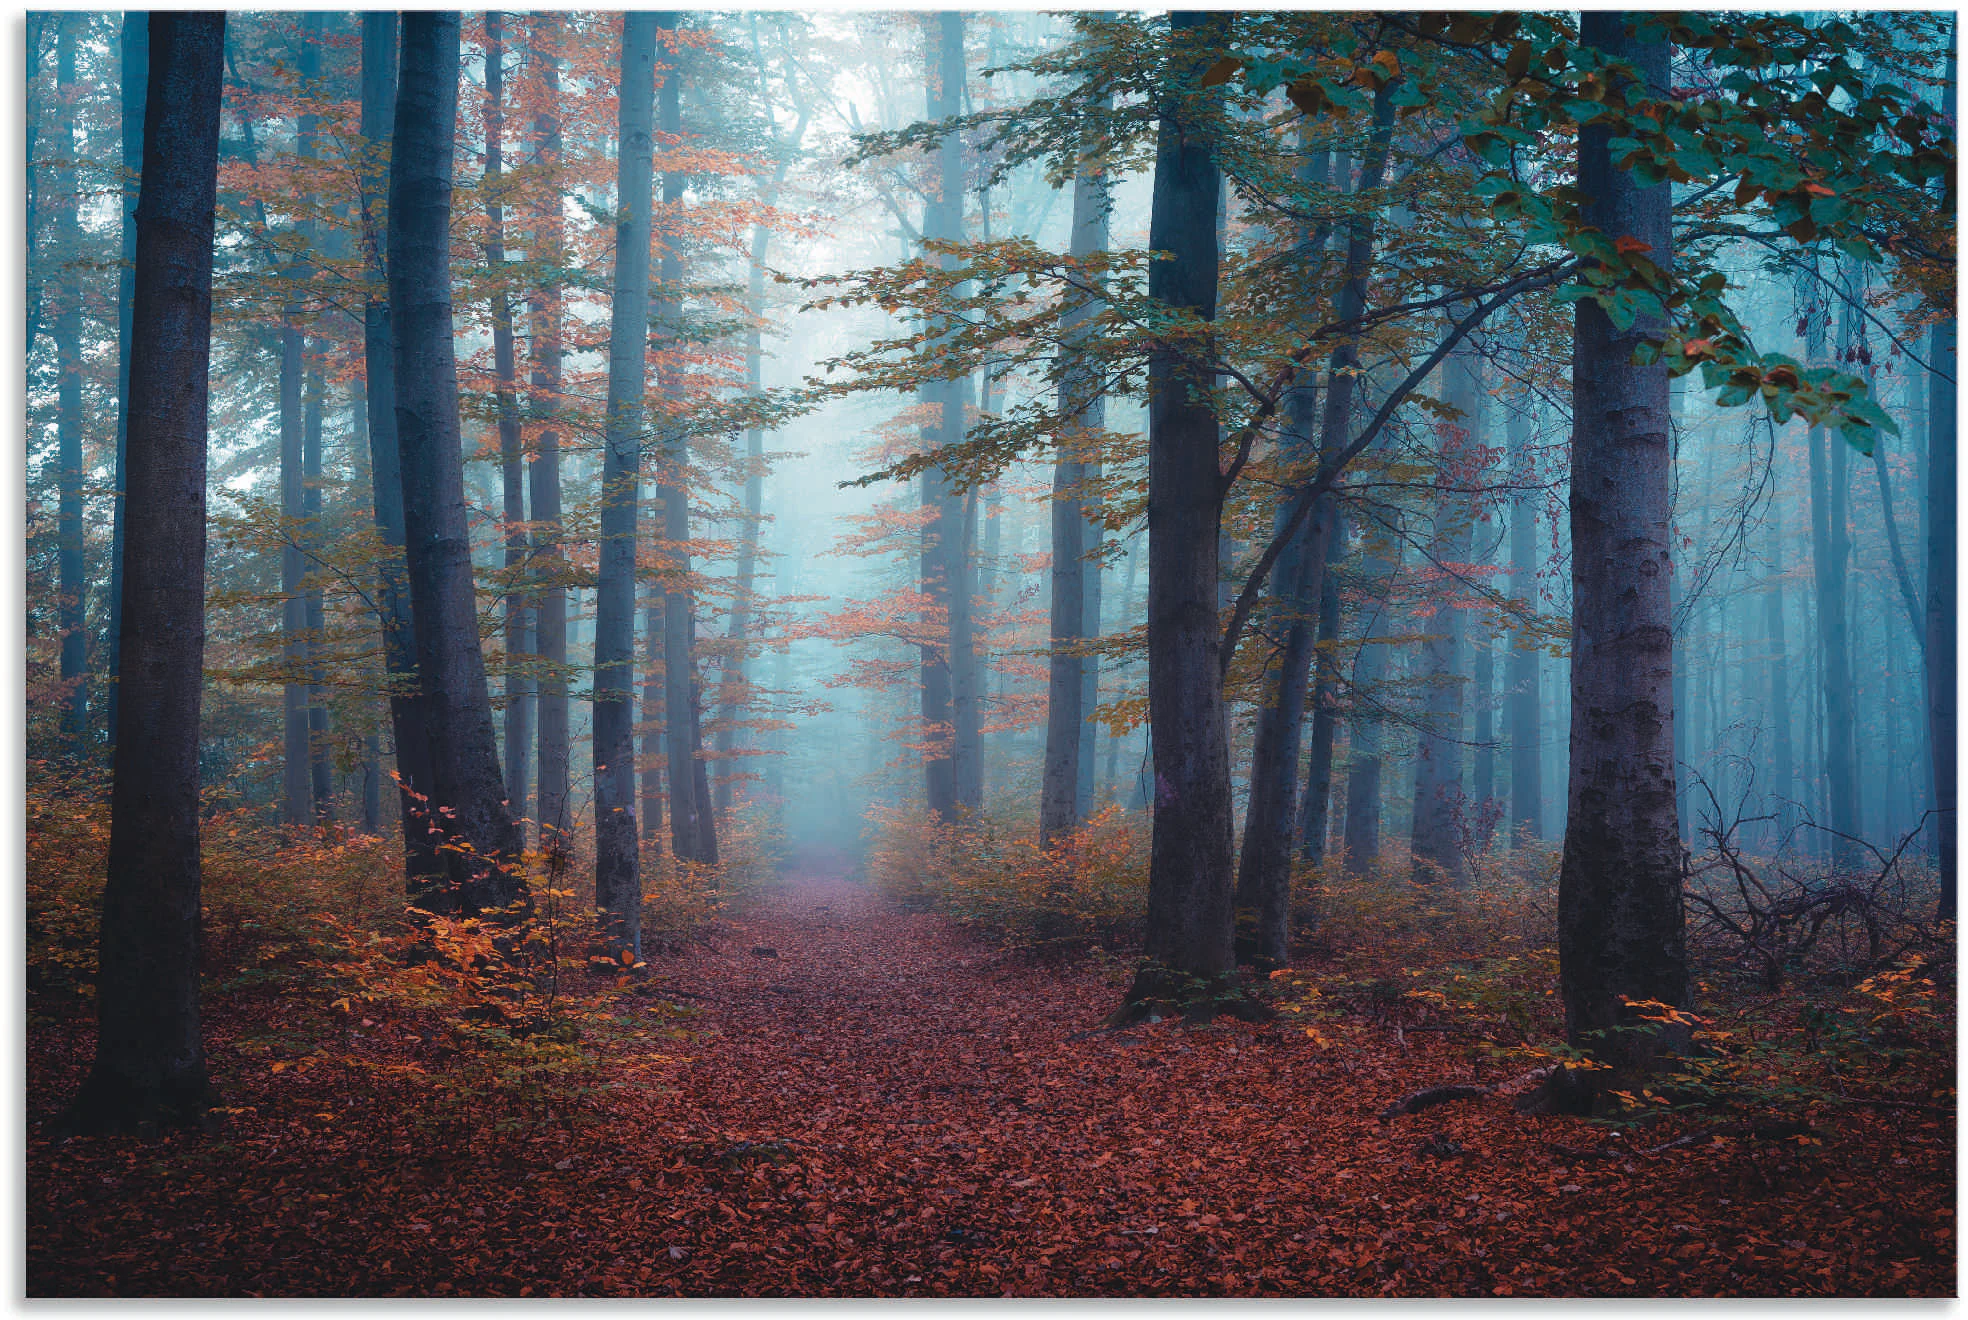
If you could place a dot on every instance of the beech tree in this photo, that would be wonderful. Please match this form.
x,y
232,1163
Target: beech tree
x,y
150,1056
467,796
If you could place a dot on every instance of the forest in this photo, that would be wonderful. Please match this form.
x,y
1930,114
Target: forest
x,y
990,653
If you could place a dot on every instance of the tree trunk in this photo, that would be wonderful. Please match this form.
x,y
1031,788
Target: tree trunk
x,y
1830,554
321,755
1438,801
150,1055
1364,765
618,879
71,571
555,816
512,455
1190,881
467,790
1315,811
408,721
653,815
1941,695
296,794
1526,817
1263,898
134,72
1783,782
1620,930
1063,801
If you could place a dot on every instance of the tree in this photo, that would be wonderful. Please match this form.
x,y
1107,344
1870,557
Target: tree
x,y
67,331
480,841
1063,797
1189,875
512,454
1526,751
1620,940
1941,530
618,881
693,827
135,52
150,1057
545,315
408,720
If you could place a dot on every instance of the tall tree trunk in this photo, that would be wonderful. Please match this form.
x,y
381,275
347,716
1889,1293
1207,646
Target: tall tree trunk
x,y
512,455
618,879
135,71
71,571
467,790
653,817
1190,880
1831,547
1364,766
1941,514
1783,784
1526,819
552,806
1620,932
408,720
321,755
1063,803
1438,800
150,1055
1315,810
693,826
1264,867
296,788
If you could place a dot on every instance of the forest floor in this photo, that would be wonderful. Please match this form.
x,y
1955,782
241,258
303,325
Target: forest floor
x,y
869,1102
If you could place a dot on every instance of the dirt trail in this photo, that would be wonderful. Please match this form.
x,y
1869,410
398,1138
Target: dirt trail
x,y
881,1105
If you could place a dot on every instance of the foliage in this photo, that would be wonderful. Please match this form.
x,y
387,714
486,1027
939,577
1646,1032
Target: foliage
x,y
993,879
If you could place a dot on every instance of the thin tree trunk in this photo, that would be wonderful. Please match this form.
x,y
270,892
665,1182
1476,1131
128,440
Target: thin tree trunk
x,y
618,878
1620,933
1783,783
1190,878
556,820
1063,804
1526,817
467,789
693,827
150,1055
1315,811
512,455
1438,800
1364,764
135,75
72,582
1941,697
653,817
321,758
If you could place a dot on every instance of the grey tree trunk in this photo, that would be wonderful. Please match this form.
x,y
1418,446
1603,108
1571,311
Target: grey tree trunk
x,y
1063,797
1190,881
480,841
519,681
1783,780
618,878
1263,899
1315,811
135,75
653,815
296,789
1526,819
150,1056
1830,555
544,312
1365,735
1941,514
71,572
1438,800
1620,929
408,722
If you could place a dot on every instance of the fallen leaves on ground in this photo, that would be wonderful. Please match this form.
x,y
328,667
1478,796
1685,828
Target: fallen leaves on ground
x,y
886,1107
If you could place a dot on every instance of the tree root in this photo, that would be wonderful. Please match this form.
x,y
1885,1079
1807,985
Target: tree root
x,y
1429,1097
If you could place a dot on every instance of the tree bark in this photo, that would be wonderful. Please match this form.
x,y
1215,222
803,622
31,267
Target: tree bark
x,y
1830,555
1620,926
1063,799
1315,811
150,1056
693,827
1526,819
1364,764
1783,782
1438,800
618,879
135,74
1190,880
512,455
1941,514
480,841
408,720
544,311
71,572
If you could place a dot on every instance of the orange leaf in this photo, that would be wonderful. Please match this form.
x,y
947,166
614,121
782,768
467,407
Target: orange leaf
x,y
1627,244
